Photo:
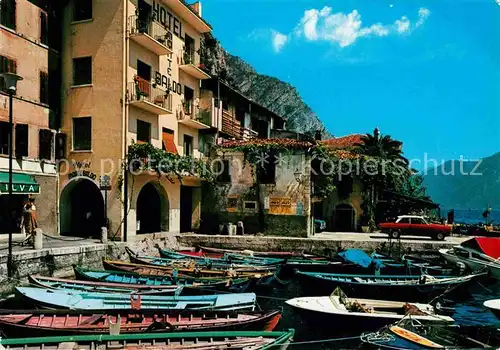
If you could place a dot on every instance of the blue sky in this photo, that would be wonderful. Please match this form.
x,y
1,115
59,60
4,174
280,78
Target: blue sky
x,y
426,72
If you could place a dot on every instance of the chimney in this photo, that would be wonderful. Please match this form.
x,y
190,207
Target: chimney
x,y
317,135
196,7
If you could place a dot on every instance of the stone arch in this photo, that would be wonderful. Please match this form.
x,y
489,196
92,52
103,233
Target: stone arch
x,y
81,208
152,208
345,218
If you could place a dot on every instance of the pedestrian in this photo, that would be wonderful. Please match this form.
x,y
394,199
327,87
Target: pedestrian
x,y
28,220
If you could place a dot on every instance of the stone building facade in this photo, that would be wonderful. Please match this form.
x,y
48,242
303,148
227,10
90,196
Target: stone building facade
x,y
130,74
27,49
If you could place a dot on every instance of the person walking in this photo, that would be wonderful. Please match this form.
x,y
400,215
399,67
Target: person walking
x,y
29,221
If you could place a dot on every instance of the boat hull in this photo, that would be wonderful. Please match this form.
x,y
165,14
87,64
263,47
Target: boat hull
x,y
471,264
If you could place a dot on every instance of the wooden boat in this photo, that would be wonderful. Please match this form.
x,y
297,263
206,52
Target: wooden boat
x,y
401,288
477,254
157,341
132,280
362,314
168,271
217,252
193,263
64,299
42,323
411,334
102,287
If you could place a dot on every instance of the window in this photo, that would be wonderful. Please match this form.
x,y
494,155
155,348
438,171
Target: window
x,y
417,221
188,50
82,134
7,65
8,13
223,170
188,145
4,138
82,71
21,140
82,10
404,221
188,100
144,70
143,131
44,32
266,173
168,143
45,144
44,87
225,105
250,205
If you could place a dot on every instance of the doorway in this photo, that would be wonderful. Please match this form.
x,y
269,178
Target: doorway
x,y
186,209
81,209
149,210
344,218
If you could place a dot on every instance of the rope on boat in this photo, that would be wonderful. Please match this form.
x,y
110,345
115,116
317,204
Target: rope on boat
x,y
324,340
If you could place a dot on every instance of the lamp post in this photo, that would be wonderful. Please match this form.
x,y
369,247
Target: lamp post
x,y
11,80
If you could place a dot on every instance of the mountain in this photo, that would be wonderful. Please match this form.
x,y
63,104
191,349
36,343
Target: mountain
x,y
463,189
280,97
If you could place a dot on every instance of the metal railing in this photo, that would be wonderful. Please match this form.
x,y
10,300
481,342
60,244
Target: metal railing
x,y
155,30
143,90
189,57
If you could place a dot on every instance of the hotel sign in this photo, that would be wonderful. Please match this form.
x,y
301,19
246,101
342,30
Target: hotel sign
x,y
167,19
81,169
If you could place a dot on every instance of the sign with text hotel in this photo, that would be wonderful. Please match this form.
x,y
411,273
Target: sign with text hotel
x,y
167,19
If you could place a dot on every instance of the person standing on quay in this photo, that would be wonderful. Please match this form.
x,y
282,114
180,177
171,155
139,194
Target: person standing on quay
x,y
29,222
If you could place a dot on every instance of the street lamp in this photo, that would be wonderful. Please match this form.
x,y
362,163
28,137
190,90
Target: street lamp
x,y
11,80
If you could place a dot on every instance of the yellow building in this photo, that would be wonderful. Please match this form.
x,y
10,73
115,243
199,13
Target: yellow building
x,y
130,74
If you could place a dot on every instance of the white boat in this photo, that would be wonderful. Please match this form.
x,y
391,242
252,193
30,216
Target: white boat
x,y
366,314
479,253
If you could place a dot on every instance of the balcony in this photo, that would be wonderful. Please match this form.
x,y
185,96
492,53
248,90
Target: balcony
x,y
193,117
249,134
231,126
151,35
190,64
146,96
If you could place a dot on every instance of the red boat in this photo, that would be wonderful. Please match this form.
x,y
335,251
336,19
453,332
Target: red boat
x,y
42,323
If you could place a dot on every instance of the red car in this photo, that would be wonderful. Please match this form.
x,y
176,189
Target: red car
x,y
415,226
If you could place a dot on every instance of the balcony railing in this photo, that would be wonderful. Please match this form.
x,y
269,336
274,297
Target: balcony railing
x,y
151,34
189,62
149,97
249,134
194,118
231,126
204,117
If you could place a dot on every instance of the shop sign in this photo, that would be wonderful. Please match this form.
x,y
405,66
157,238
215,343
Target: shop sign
x,y
82,169
20,188
280,205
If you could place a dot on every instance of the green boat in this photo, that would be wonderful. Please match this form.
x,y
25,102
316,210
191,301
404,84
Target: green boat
x,y
157,341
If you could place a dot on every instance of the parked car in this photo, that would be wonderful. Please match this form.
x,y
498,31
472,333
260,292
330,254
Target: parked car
x,y
319,225
416,226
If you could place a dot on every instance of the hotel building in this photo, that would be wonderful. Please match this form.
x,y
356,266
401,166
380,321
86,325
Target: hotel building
x,y
130,74
28,48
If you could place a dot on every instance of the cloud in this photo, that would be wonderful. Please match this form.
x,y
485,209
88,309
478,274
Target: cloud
x,y
423,14
345,29
402,25
279,40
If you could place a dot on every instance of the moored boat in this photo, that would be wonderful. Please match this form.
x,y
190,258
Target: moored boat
x,y
217,253
478,253
494,306
363,314
131,280
403,288
411,334
64,299
43,323
159,341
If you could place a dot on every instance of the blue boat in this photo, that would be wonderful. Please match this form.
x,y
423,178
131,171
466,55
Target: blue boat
x,y
132,279
75,300
400,288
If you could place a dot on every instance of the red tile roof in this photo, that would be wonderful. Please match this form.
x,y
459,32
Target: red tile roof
x,y
348,141
281,142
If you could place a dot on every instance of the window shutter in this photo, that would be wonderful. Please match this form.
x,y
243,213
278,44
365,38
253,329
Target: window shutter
x,y
45,144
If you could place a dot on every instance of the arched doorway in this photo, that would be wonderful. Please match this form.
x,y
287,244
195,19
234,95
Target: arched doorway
x,y
152,209
81,209
344,218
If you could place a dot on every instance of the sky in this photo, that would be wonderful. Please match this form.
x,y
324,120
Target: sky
x,y
426,72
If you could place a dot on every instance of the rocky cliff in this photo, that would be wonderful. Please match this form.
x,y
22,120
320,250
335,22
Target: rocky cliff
x,y
278,96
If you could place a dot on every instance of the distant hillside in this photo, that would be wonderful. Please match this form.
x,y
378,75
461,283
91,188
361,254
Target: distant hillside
x,y
274,94
466,191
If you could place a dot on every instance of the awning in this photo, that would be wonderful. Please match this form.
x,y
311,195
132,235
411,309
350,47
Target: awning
x,y
168,142
21,184
486,245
